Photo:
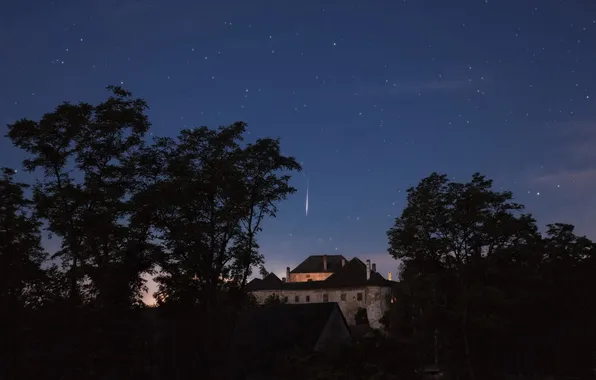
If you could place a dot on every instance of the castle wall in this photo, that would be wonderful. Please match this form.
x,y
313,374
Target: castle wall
x,y
375,300
378,300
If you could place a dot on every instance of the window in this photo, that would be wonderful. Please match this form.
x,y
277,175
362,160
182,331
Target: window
x,y
285,299
307,298
359,296
296,298
307,276
343,297
325,297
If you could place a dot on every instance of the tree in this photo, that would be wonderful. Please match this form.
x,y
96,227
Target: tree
x,y
274,299
21,275
217,193
266,182
567,302
87,155
263,271
119,205
451,238
90,199
361,317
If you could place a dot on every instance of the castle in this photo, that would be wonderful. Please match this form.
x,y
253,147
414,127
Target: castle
x,y
331,278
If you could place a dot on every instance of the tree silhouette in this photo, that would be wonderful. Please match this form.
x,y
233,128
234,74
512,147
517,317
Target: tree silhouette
x,y
214,193
477,278
274,299
22,279
482,293
90,200
85,151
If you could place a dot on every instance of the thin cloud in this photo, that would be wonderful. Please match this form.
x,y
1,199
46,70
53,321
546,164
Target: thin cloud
x,y
573,128
582,143
576,139
585,151
578,179
574,142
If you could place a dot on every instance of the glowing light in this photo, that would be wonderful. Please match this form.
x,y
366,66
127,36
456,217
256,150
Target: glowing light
x,y
307,197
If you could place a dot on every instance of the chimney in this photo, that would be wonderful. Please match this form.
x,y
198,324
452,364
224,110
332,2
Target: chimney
x,y
264,274
374,267
367,270
283,279
343,261
389,276
288,274
324,263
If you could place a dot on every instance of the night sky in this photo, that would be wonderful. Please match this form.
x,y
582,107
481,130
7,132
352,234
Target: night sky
x,y
370,96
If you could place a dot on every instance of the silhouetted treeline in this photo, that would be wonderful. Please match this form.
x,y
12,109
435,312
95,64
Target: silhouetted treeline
x,y
123,206
482,295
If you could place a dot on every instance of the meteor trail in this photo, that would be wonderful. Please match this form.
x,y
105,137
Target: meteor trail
x,y
307,197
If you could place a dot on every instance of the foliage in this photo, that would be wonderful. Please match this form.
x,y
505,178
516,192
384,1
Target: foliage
x,y
122,208
361,317
479,290
482,294
85,153
214,196
274,299
22,280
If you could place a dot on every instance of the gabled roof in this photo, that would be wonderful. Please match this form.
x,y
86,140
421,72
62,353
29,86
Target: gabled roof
x,y
353,274
283,325
262,333
271,281
314,264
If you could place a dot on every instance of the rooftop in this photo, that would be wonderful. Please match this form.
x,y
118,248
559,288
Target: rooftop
x,y
265,333
315,264
353,274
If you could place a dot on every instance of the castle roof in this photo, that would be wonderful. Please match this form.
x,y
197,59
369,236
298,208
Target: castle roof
x,y
264,334
353,274
315,264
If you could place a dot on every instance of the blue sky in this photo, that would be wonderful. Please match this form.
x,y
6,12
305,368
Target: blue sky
x,y
370,96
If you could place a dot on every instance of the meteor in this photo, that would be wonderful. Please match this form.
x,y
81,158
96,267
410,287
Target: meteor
x,y
307,197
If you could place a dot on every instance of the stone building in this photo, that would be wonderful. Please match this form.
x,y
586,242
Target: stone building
x,y
325,278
